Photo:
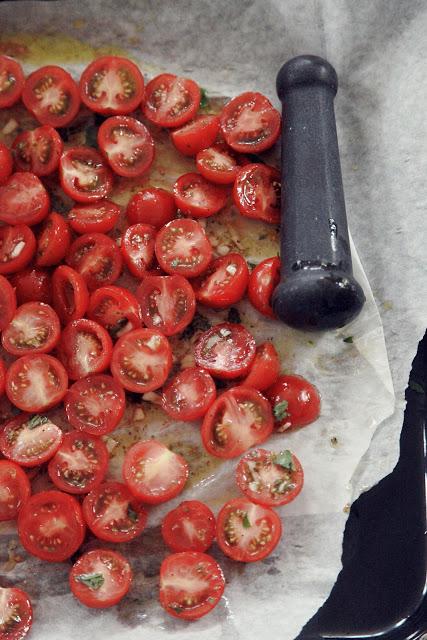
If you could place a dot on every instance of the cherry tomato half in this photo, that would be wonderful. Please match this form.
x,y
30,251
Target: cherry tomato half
x,y
51,526
116,309
53,241
112,86
31,285
6,162
270,478
257,192
250,123
295,402
113,514
85,348
224,283
152,206
191,584
100,578
197,197
23,200
95,404
7,301
171,101
226,350
247,532
15,606
34,328
38,151
70,294
240,418
196,135
84,175
154,473
97,258
30,440
17,247
15,491
137,248
167,303
127,145
2,376
217,164
52,96
11,85
189,395
183,248
265,368
95,217
189,527
262,282
80,463
36,382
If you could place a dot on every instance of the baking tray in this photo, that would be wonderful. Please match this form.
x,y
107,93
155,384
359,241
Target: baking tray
x,y
382,588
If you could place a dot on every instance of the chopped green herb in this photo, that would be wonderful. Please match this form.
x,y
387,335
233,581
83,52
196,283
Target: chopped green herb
x,y
416,386
92,580
284,459
348,340
246,522
281,410
310,342
233,316
132,515
36,421
204,100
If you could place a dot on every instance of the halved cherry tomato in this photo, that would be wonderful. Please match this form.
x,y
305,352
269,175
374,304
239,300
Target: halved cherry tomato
x,y
7,300
11,83
188,396
70,294
17,247
23,200
191,584
38,150
182,247
256,192
196,135
2,376
52,96
80,463
100,578
127,145
247,532
262,282
95,217
16,613
250,123
116,309
15,490
197,197
53,241
95,404
217,164
113,514
112,86
84,175
153,206
224,283
142,360
265,368
51,526
240,418
153,473
32,284
295,402
226,350
6,161
97,258
34,328
36,383
171,101
85,348
270,478
189,527
30,440
167,303
138,248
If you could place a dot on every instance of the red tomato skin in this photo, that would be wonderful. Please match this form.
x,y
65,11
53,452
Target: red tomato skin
x,y
302,398
68,309
6,163
51,325
194,410
173,118
137,266
38,79
234,369
27,458
217,196
106,140
40,161
123,298
19,604
9,98
69,347
20,213
95,244
208,165
262,282
83,594
169,237
249,179
69,182
13,236
53,241
14,480
192,510
152,206
196,135
265,368
74,513
225,294
7,302
32,284
106,223
2,376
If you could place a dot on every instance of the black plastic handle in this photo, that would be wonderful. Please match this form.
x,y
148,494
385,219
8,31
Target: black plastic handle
x,y
317,288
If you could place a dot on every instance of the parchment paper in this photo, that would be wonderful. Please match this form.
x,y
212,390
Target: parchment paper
x,y
229,47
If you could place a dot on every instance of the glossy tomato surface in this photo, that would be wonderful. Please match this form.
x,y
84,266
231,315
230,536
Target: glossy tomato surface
x,y
226,350
32,285
38,151
189,527
198,198
257,192
167,303
70,294
183,248
52,96
53,241
127,145
265,368
17,247
36,382
100,578
95,404
85,348
16,612
262,282
23,199
15,489
189,394
137,248
7,302
94,217
97,258
85,176
34,328
152,206
295,402
196,135
6,163
224,283
116,309
217,164
29,440
171,101
11,83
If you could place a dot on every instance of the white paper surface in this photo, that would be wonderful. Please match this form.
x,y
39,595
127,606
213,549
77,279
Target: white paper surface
x,y
230,47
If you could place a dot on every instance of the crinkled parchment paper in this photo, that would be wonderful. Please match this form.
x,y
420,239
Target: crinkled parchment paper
x,y
228,47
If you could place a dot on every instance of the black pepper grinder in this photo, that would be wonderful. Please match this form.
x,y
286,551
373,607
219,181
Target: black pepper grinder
x,y
317,290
